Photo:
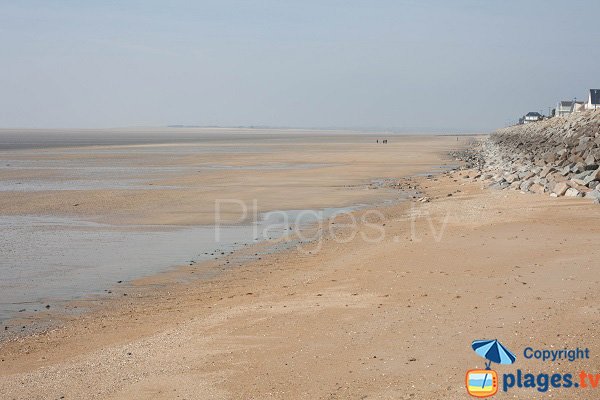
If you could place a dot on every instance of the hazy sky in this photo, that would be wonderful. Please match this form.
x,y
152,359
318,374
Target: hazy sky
x,y
459,65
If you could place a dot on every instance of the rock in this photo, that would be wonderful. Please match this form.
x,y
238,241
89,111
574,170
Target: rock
x,y
536,188
528,175
594,194
578,167
511,178
499,185
590,159
515,185
546,171
557,177
572,192
525,185
560,188
594,175
583,175
554,156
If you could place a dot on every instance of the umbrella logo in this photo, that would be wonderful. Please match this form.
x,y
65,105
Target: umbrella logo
x,y
484,382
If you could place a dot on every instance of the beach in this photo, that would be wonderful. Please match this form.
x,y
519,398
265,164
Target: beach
x,y
77,220
384,308
308,200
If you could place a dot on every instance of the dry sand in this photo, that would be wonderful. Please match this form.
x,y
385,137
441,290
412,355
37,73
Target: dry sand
x,y
392,319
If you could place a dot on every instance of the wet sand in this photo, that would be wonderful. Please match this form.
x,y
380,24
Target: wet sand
x,y
358,319
76,220
178,181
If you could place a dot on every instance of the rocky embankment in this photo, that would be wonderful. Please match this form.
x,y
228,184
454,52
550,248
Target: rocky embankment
x,y
559,156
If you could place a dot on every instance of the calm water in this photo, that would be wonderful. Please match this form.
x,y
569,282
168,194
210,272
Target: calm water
x,y
48,259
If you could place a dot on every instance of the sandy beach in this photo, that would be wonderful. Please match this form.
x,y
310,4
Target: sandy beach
x,y
172,181
386,309
76,220
316,200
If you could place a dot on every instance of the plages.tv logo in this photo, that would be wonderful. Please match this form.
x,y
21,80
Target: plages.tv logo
x,y
484,382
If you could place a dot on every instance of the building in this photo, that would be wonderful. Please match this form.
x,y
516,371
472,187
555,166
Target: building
x,y
593,102
569,106
532,117
564,107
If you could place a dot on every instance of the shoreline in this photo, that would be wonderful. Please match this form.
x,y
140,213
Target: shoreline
x,y
63,311
273,308
348,178
69,307
378,189
364,313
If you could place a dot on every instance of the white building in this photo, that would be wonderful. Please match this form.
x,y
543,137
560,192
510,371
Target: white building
x,y
569,106
532,117
593,102
564,108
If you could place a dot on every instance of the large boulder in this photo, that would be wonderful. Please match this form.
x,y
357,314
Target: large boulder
x,y
525,185
536,188
561,188
594,194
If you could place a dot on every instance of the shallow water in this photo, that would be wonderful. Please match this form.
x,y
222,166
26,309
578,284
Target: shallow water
x,y
110,175
48,259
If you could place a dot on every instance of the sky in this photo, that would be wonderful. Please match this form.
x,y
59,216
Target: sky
x,y
408,65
